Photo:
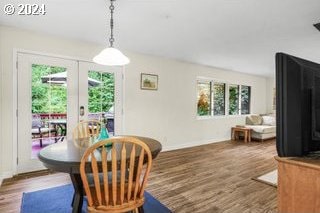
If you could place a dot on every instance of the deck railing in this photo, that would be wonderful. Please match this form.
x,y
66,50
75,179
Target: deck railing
x,y
51,116
45,117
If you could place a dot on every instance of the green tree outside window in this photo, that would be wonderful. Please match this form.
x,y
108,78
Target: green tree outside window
x,y
52,98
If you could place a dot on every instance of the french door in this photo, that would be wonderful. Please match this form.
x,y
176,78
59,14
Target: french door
x,y
54,94
104,99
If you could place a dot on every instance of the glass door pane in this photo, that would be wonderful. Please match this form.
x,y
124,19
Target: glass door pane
x,y
101,98
49,106
100,94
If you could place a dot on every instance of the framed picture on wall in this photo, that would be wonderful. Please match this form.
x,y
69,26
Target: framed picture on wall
x,y
149,81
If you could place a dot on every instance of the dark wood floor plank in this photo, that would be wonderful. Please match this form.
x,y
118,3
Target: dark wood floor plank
x,y
205,179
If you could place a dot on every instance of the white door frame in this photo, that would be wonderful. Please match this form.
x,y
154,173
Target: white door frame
x,y
15,53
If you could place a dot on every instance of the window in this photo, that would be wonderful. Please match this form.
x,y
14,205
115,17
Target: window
x,y
233,99
245,100
219,93
204,98
218,99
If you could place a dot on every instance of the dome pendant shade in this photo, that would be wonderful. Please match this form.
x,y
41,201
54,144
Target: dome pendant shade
x,y
111,57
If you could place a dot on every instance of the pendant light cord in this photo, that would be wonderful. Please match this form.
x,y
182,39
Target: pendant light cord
x,y
111,39
111,56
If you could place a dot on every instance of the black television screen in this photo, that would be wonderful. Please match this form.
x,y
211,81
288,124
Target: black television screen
x,y
298,106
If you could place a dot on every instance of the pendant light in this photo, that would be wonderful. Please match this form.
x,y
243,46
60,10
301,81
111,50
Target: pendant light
x,y
111,56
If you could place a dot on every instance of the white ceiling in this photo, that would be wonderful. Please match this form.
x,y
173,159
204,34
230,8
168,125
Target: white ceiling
x,y
240,35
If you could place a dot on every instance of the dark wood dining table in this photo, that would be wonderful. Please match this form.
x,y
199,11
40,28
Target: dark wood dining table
x,y
66,157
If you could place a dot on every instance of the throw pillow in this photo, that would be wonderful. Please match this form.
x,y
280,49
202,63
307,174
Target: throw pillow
x,y
254,120
268,120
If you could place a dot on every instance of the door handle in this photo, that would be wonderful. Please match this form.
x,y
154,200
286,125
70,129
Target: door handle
x,y
81,110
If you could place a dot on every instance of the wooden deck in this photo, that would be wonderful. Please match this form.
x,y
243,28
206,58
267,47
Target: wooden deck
x,y
205,179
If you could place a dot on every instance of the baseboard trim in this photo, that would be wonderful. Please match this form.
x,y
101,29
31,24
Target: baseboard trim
x,y
194,143
5,175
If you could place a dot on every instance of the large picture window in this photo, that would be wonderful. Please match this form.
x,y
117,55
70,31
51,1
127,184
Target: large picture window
x,y
220,99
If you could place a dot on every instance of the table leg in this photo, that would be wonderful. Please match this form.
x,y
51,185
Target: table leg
x,y
232,134
77,200
245,136
63,128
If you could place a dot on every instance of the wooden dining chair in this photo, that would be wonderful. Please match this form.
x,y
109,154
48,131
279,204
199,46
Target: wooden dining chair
x,y
119,175
86,129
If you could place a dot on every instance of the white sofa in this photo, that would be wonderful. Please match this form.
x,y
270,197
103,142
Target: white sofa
x,y
263,126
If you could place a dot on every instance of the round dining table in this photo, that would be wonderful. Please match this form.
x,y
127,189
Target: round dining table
x,y
66,157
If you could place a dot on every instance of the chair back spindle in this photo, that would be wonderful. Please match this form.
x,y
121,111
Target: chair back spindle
x,y
85,130
119,174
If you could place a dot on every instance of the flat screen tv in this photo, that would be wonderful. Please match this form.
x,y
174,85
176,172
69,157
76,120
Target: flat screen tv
x,y
298,106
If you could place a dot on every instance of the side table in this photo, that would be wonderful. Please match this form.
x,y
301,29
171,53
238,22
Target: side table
x,y
235,132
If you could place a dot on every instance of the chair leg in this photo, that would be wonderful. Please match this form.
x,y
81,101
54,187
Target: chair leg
x,y
56,137
140,209
40,139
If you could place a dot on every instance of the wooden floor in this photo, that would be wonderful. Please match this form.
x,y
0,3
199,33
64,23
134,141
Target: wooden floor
x,y
205,179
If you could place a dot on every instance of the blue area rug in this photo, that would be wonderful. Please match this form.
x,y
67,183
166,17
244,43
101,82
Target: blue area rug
x,y
58,200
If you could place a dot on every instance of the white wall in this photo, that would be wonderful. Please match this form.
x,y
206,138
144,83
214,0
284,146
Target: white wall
x,y
1,139
168,114
11,38
271,84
